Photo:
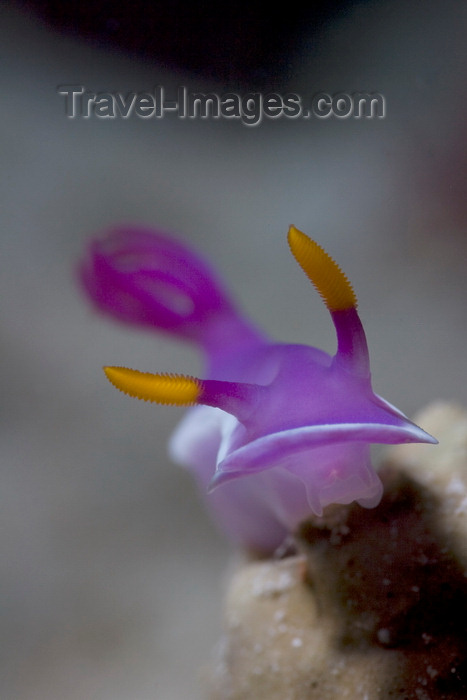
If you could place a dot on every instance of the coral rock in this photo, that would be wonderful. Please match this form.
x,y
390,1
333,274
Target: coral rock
x,y
374,606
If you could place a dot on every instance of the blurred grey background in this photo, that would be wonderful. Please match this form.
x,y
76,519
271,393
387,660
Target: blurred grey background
x,y
112,574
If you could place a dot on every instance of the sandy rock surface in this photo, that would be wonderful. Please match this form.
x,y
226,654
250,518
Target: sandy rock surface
x,y
374,604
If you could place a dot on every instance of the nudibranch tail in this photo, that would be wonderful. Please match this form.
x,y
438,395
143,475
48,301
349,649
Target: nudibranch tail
x,y
236,398
339,297
322,271
145,278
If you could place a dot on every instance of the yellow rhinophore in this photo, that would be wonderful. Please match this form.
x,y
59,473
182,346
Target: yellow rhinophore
x,y
324,273
175,389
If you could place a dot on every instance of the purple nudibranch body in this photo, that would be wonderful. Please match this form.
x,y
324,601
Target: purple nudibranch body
x,y
280,431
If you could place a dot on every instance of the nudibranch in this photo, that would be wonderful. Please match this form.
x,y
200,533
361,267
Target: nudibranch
x,y
276,431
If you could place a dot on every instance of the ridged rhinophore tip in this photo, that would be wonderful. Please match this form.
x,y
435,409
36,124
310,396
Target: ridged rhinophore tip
x,y
175,389
322,271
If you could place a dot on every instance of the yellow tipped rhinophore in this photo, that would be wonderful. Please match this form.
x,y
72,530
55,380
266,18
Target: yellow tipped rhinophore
x,y
322,271
175,389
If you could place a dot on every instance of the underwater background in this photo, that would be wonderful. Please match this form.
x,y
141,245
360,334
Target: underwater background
x,y
111,570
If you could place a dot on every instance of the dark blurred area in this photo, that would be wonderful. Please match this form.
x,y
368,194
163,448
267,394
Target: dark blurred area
x,y
246,44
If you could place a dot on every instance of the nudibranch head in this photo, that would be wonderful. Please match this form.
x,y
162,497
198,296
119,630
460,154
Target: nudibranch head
x,y
278,431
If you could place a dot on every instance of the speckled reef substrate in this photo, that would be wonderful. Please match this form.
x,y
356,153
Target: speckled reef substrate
x,y
374,605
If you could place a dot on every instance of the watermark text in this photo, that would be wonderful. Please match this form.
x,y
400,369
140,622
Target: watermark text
x,y
250,108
